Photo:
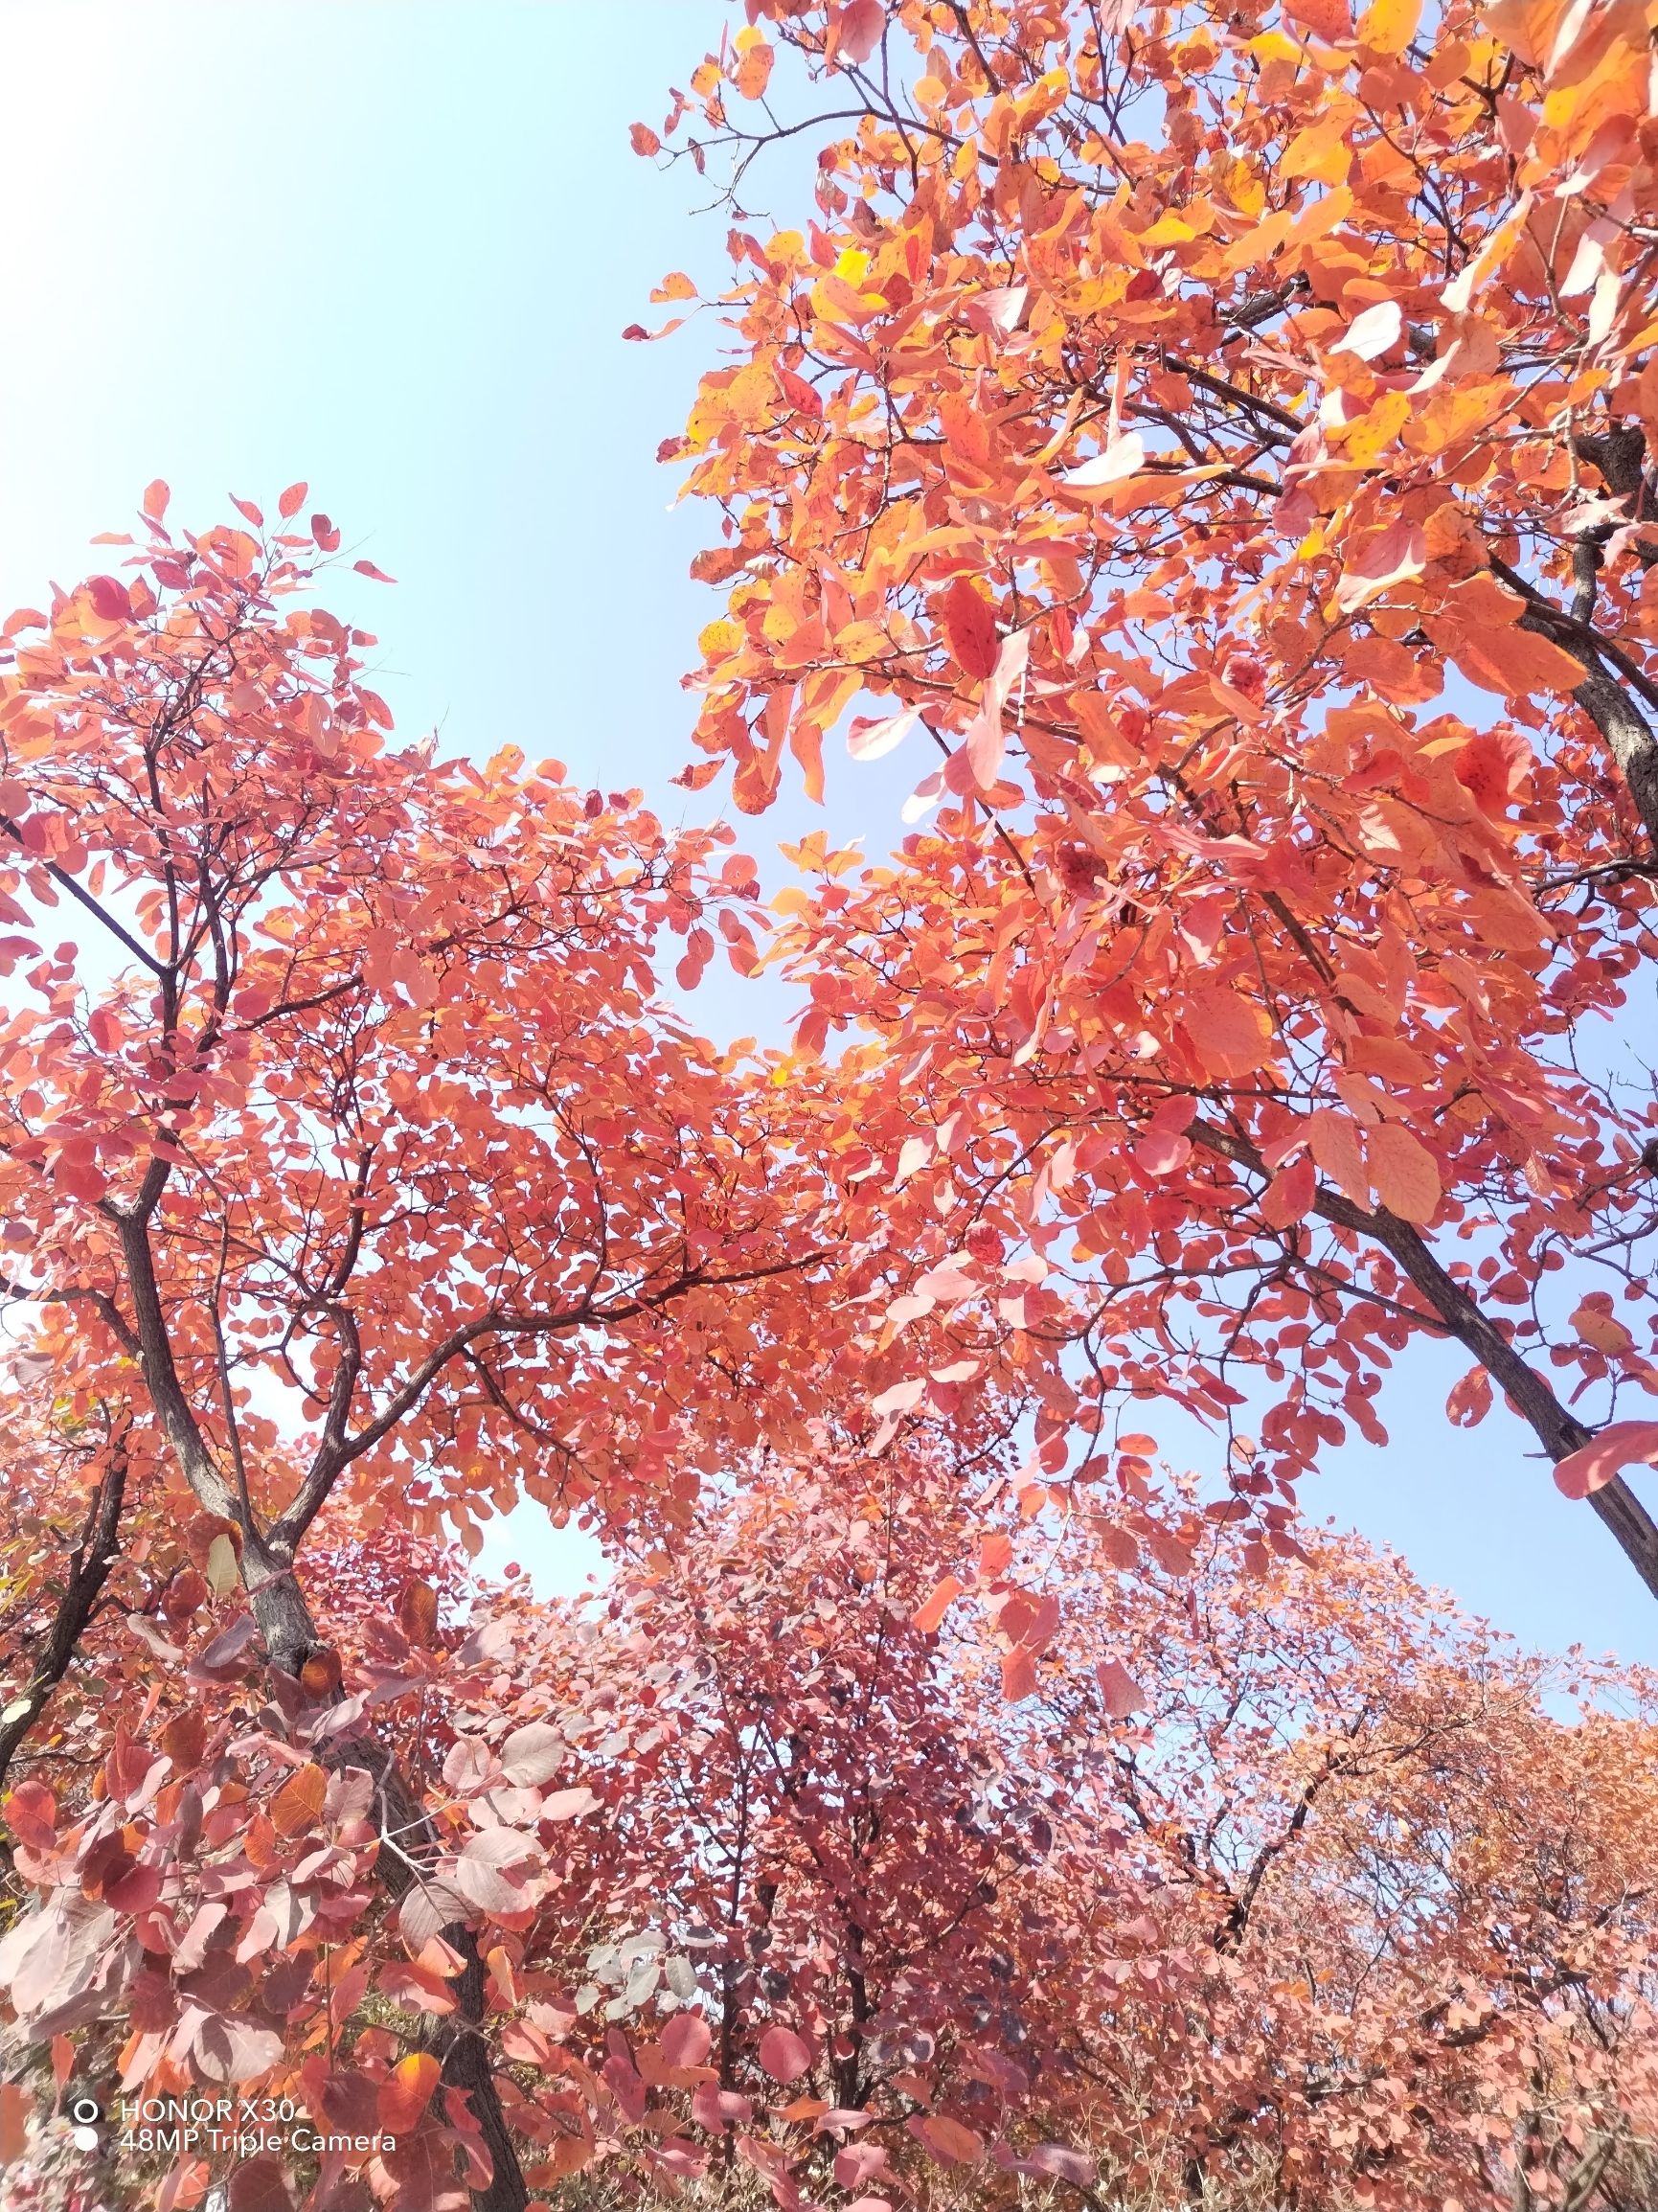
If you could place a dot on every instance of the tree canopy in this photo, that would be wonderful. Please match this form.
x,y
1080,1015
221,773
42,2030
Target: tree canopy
x,y
1219,445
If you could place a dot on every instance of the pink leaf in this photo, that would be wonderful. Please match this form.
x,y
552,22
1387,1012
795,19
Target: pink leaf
x,y
1625,1443
568,1804
1065,2165
1165,1152
1119,1692
901,1396
862,22
109,600
784,2055
997,314
871,741
686,2041
1389,558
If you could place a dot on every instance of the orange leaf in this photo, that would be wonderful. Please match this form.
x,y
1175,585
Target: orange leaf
x,y
1335,1147
1231,1035
406,2091
1404,1173
321,1673
418,1613
927,1617
947,2139
300,1799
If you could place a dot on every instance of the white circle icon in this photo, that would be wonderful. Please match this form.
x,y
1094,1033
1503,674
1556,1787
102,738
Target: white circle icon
x,y
85,2139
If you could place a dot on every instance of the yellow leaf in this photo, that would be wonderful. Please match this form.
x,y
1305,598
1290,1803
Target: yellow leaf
x,y
1602,1329
1373,433
220,1567
1388,26
1168,231
1311,151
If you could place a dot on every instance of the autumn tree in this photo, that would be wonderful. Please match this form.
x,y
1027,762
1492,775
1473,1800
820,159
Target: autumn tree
x,y
352,1159
784,1856
1221,441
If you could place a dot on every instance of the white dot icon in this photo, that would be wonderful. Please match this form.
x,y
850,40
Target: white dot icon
x,y
85,2139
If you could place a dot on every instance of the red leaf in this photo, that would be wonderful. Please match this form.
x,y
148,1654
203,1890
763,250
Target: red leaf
x,y
1470,1398
155,498
970,626
326,535
31,1812
260,2185
246,507
1288,1197
368,568
292,501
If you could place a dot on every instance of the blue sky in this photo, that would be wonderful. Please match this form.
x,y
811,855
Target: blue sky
x,y
391,249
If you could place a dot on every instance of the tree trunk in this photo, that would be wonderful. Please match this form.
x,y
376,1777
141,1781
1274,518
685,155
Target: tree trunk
x,y
89,1568
459,2042
279,1606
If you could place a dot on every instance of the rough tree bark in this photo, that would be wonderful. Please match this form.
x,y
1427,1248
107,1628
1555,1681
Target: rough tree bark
x,y
89,1568
458,2042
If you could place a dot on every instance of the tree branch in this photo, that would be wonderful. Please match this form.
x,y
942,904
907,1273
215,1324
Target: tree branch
x,y
1616,1504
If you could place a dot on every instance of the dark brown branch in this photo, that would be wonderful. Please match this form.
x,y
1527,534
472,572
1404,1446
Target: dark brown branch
x,y
89,1567
1615,1504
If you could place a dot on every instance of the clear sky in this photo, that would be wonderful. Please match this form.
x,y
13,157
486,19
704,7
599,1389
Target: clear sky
x,y
391,249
